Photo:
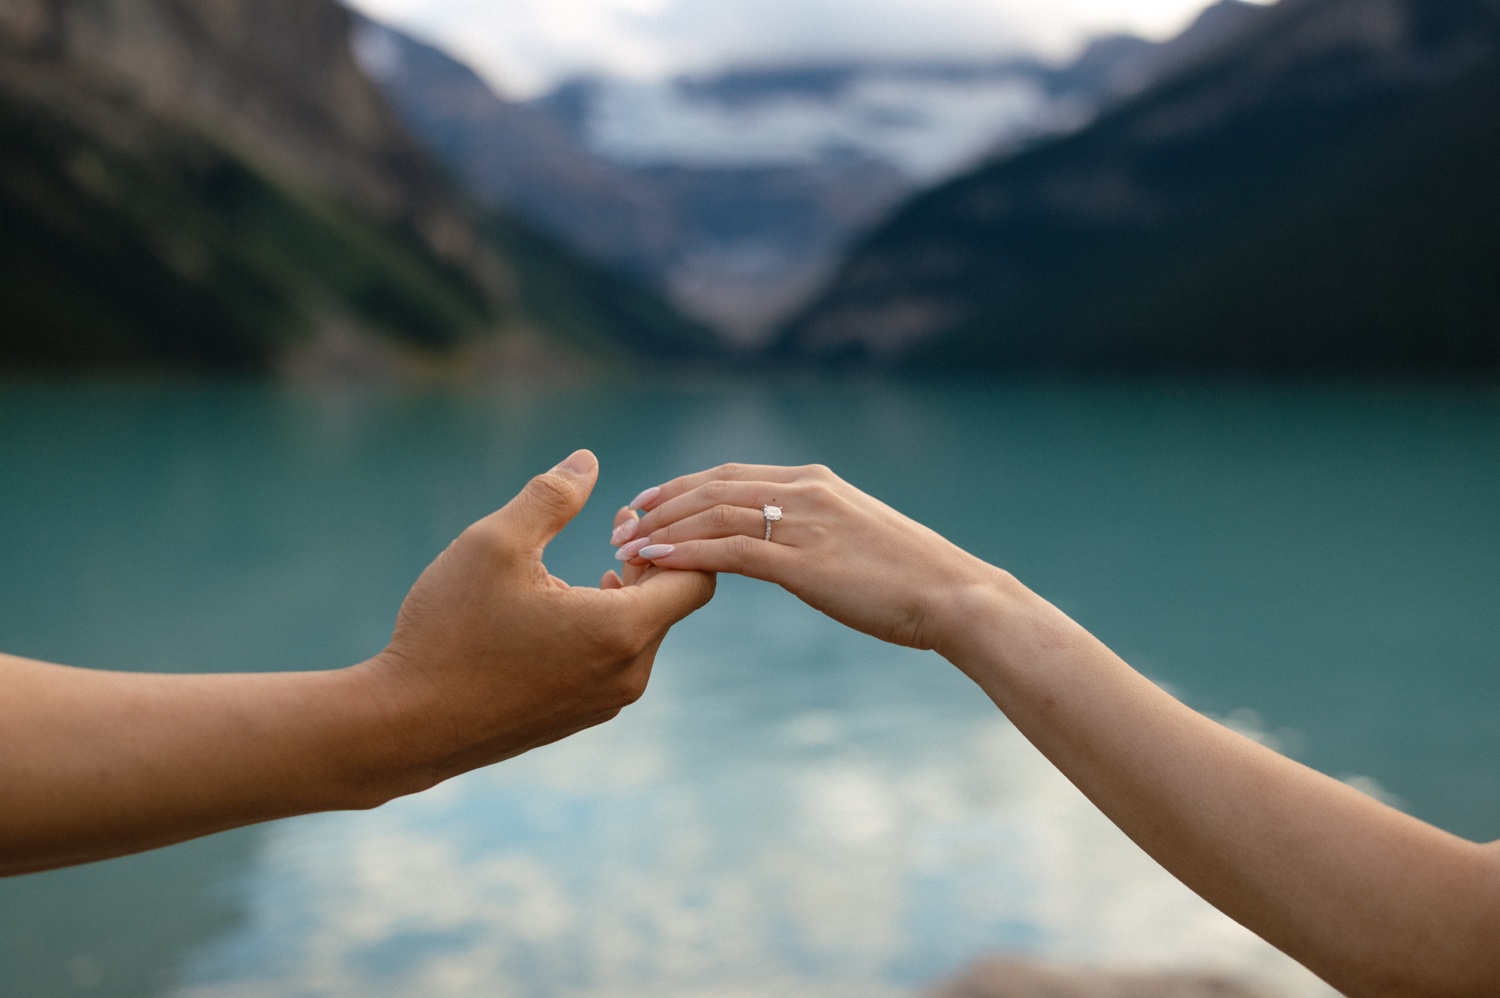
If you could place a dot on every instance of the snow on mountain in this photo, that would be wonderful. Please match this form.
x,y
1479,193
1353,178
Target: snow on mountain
x,y
926,121
737,192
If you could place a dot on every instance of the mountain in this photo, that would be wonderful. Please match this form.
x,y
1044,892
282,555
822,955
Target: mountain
x,y
218,186
514,155
735,192
1118,66
1316,193
709,236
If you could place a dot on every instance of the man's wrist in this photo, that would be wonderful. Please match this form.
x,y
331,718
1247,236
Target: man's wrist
x,y
380,753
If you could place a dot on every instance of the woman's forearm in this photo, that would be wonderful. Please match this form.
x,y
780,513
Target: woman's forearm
x,y
97,764
1373,900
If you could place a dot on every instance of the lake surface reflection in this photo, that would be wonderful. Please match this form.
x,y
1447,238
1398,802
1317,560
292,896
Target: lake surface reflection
x,y
793,808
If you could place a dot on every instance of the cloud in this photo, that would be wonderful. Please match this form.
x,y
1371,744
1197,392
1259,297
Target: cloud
x,y
526,46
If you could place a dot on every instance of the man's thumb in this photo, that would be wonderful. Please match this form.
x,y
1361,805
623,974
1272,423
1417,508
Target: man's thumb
x,y
551,499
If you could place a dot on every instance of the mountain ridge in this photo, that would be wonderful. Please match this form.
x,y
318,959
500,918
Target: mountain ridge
x,y
1314,198
734,192
218,186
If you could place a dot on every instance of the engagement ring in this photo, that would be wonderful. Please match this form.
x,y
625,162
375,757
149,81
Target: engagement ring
x,y
772,514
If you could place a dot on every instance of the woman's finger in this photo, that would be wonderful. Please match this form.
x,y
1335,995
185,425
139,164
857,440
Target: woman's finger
x,y
626,526
716,521
740,555
654,497
631,573
627,523
744,495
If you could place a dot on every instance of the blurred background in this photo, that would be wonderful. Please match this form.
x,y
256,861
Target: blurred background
x,y
1187,314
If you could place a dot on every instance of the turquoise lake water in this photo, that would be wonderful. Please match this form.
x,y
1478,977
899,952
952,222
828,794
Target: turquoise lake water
x,y
792,808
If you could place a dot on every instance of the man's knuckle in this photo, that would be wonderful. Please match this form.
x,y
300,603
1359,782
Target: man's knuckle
x,y
630,686
598,643
487,538
552,492
633,636
630,636
612,643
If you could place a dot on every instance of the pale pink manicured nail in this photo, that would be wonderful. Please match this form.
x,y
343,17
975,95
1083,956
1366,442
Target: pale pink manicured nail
x,y
625,531
654,551
640,501
632,549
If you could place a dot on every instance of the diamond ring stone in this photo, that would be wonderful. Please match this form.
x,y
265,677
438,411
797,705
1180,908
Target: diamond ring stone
x,y
772,515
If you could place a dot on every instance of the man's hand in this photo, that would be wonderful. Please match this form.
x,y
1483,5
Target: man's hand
x,y
493,656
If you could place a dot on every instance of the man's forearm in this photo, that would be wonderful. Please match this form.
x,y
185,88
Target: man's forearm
x,y
491,656
1371,899
97,764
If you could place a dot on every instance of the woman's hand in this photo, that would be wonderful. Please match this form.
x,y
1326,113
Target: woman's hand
x,y
836,548
1372,900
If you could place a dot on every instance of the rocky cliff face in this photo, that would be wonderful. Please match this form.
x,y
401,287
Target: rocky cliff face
x,y
513,155
209,183
1011,978
1317,194
217,184
273,80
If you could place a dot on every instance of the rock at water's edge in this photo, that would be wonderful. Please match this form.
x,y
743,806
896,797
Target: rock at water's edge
x,y
1010,978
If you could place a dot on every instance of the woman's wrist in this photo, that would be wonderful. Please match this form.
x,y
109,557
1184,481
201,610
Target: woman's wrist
x,y
966,613
996,623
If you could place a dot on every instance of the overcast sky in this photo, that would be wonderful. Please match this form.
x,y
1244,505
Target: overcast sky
x,y
525,46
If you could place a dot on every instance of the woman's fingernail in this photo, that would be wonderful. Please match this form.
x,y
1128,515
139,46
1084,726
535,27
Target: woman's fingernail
x,y
640,501
625,531
632,549
654,551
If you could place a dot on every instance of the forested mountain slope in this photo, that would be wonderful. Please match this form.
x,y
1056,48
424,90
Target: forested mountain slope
x,y
217,186
1319,195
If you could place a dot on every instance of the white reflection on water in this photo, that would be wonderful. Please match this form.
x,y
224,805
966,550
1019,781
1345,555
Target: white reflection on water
x,y
706,845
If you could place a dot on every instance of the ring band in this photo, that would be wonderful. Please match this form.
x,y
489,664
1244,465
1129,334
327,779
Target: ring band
x,y
772,515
